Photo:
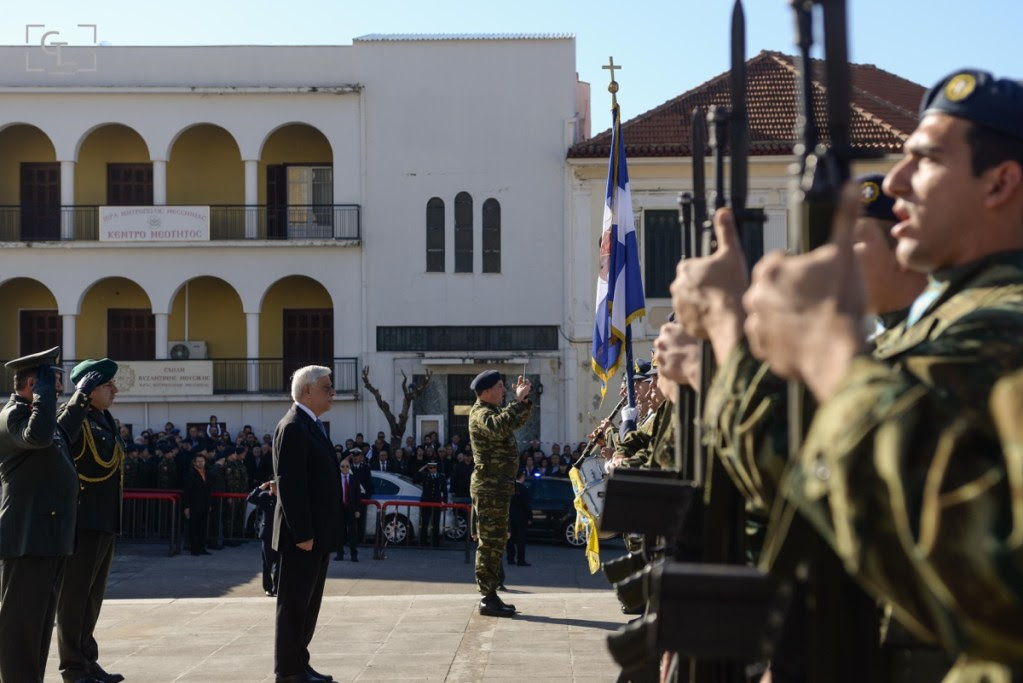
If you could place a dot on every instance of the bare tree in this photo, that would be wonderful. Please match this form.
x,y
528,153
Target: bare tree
x,y
409,394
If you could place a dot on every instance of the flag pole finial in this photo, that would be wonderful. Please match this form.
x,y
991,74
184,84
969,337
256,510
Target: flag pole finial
x,y
612,87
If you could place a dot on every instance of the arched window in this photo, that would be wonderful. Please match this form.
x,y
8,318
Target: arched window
x,y
491,236
463,232
435,235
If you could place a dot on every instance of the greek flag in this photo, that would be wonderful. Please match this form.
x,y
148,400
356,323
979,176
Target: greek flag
x,y
619,283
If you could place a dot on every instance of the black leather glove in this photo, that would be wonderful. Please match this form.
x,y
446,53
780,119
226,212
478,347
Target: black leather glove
x,y
90,381
45,377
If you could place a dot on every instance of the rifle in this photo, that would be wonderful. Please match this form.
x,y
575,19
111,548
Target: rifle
x,y
719,613
591,444
841,634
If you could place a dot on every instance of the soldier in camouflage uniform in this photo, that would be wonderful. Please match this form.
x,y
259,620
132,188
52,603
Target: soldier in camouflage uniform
x,y
167,471
492,434
236,480
132,467
902,472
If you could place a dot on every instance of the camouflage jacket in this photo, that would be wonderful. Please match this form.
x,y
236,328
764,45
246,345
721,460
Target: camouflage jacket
x,y
492,434
167,474
652,444
746,421
904,473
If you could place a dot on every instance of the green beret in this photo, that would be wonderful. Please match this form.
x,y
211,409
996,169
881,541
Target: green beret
x,y
104,366
977,96
485,380
49,357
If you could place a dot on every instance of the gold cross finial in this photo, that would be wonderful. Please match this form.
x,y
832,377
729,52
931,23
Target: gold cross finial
x,y
613,85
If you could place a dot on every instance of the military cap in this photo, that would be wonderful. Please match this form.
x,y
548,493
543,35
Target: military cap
x,y
432,463
485,380
355,450
642,369
35,360
977,96
875,203
103,366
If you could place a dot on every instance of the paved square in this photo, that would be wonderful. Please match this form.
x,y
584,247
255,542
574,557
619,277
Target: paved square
x,y
410,617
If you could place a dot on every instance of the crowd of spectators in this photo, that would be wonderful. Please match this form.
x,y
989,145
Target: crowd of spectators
x,y
163,459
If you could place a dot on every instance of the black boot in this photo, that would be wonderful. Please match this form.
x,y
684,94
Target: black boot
x,y
503,603
491,606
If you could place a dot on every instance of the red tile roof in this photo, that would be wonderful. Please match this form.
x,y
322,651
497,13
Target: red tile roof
x,y
884,112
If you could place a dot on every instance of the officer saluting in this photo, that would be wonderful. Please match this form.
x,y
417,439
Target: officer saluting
x,y
38,503
98,453
492,433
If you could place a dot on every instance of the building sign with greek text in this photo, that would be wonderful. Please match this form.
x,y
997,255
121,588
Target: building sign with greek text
x,y
164,378
154,223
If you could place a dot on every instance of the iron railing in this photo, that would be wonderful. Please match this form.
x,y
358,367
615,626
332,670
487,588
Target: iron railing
x,y
247,375
227,222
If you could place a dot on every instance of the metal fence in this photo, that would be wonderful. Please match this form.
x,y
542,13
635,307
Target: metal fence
x,y
247,375
227,222
398,526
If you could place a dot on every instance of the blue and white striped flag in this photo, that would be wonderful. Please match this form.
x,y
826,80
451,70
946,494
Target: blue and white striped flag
x,y
619,282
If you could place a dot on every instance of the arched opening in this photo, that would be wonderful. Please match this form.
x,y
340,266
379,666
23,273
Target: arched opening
x,y
116,321
298,189
296,326
29,185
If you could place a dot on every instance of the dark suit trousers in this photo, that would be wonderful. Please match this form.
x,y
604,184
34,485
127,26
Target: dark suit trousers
x,y
28,604
298,606
81,598
351,538
271,567
197,523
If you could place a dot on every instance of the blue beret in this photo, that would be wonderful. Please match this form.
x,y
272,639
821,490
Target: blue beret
x,y
485,380
876,204
104,366
977,96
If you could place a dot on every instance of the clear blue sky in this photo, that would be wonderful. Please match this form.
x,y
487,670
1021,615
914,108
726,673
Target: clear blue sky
x,y
666,46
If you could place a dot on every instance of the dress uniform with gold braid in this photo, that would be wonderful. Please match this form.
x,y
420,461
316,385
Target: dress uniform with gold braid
x,y
98,453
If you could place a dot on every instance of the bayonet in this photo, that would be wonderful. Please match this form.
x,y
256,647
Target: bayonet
x,y
738,125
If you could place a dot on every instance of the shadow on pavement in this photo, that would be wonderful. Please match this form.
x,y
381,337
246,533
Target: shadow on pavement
x,y
141,571
602,625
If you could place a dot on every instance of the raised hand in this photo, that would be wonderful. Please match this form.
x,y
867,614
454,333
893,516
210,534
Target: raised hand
x,y
89,381
707,291
804,312
522,388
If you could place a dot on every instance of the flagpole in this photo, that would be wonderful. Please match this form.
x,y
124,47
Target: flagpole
x,y
629,413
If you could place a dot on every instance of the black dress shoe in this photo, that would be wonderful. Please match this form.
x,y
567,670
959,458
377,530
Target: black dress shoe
x,y
270,594
338,558
99,674
88,679
355,559
315,675
296,678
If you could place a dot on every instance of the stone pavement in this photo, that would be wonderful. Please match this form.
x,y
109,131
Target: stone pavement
x,y
411,616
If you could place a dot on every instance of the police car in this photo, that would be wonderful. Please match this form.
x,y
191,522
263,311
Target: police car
x,y
401,522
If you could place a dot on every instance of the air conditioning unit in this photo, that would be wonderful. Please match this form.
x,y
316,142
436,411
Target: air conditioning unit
x,y
187,350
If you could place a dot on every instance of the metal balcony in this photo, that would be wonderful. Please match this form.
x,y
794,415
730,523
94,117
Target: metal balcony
x,y
248,375
227,222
